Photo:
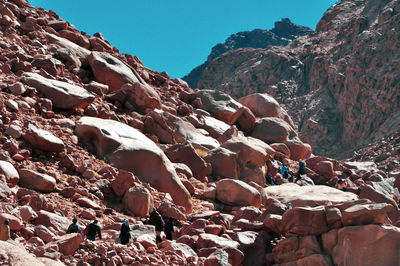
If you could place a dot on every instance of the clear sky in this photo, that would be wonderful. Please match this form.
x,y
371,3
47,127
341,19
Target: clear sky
x,y
177,35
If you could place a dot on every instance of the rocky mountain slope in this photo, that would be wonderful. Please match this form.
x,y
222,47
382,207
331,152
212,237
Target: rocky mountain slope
x,y
338,84
90,133
283,32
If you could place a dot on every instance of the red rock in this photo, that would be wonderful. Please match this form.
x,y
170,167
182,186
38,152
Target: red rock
x,y
217,258
273,222
17,88
36,181
220,105
58,24
43,140
297,221
298,150
14,131
63,95
87,203
17,255
12,105
186,154
139,201
44,233
361,214
10,173
183,248
168,209
209,240
325,168
246,121
48,219
214,229
126,148
237,193
68,243
111,71
27,213
15,223
122,182
272,130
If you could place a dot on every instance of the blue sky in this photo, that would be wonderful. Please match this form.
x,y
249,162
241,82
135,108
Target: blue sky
x,y
177,35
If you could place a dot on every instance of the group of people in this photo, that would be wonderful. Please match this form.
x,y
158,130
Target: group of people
x,y
287,174
93,229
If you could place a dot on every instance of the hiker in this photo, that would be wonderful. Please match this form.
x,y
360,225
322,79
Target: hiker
x,y
5,231
125,234
156,220
169,228
289,206
302,170
268,179
341,184
284,171
92,229
74,227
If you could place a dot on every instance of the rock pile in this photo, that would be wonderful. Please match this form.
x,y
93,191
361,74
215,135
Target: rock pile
x,y
90,133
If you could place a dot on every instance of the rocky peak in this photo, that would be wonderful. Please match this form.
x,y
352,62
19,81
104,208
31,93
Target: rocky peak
x,y
283,32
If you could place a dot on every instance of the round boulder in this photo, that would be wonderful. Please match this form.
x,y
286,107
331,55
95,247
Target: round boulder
x,y
237,193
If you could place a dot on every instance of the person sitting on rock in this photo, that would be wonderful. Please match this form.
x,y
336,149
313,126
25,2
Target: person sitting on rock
x,y
284,171
268,179
169,228
125,234
156,220
74,227
302,170
93,229
5,231
341,184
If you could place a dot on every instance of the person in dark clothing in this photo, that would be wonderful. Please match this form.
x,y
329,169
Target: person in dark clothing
x,y
125,234
93,229
156,220
74,227
302,170
268,179
169,228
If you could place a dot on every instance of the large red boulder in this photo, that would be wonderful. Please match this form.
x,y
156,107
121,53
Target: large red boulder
x,y
67,244
62,94
111,71
37,181
138,200
186,154
209,240
360,214
15,254
304,221
15,222
10,173
298,150
131,150
220,105
237,193
122,182
43,140
272,129
49,219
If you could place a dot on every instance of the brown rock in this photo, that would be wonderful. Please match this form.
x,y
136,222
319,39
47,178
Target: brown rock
x,y
138,200
122,182
361,214
209,240
304,221
10,173
27,213
237,193
36,181
298,150
50,219
43,140
44,233
87,203
18,255
63,95
272,129
68,243
15,223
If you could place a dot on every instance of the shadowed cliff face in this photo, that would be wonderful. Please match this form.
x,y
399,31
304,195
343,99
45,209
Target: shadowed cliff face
x,y
283,32
339,84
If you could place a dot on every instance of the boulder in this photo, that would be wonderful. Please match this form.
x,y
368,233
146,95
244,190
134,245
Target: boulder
x,y
122,182
237,193
246,121
87,203
63,95
372,244
9,171
218,257
361,214
224,163
264,105
138,95
44,233
214,126
272,129
49,219
67,244
220,105
209,240
304,221
138,200
72,49
5,191
140,232
43,140
185,249
325,168
111,71
15,223
128,149
16,255
306,195
186,154
298,150
36,181
27,213
273,223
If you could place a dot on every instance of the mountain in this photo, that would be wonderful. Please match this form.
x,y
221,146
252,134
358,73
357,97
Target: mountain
x,y
338,83
92,134
283,32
